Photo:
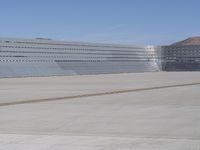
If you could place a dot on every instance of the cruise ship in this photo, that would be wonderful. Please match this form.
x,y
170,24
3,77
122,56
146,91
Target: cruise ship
x,y
46,57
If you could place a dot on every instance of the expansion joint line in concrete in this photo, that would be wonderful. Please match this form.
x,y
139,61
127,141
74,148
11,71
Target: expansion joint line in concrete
x,y
97,94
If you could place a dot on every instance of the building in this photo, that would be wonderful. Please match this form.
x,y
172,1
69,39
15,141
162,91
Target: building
x,y
45,57
181,58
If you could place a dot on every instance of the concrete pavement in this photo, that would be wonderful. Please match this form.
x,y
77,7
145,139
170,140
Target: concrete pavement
x,y
165,118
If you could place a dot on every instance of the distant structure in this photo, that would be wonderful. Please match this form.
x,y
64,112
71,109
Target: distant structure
x,y
46,57
182,56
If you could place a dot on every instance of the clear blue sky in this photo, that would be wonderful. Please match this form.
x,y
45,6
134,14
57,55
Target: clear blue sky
x,y
113,21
